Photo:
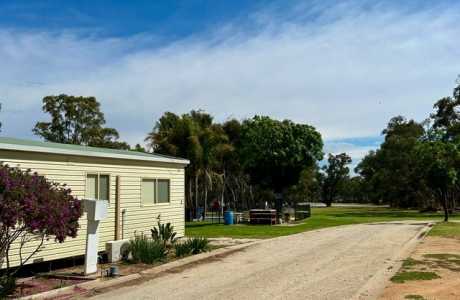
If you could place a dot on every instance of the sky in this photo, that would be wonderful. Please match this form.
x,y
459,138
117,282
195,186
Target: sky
x,y
345,67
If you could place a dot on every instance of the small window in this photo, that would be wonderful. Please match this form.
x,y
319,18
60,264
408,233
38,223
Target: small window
x,y
98,186
148,191
154,191
104,187
163,190
92,186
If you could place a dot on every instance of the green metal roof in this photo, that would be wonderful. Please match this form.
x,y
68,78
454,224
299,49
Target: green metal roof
x,y
67,149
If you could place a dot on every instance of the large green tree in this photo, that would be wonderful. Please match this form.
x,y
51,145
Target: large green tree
x,y
77,120
446,118
440,167
275,152
334,175
389,173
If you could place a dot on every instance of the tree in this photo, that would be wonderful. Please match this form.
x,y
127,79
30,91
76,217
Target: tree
x,y
389,173
139,148
33,209
308,188
446,118
335,174
274,152
77,120
440,164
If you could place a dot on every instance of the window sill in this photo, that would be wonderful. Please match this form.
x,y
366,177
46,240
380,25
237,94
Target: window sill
x,y
155,204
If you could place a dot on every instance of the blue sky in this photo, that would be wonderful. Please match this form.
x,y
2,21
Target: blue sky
x,y
345,67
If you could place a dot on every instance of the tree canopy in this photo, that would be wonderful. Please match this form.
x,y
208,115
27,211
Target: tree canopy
x,y
235,161
417,165
336,172
77,120
275,152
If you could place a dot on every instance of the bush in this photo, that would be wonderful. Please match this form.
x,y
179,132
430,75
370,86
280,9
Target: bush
x,y
199,244
33,210
182,249
147,250
164,233
192,246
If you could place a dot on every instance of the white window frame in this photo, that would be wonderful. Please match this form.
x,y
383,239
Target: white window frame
x,y
155,198
98,174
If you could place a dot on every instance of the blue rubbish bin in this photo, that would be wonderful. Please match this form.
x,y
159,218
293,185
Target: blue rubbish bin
x,y
228,217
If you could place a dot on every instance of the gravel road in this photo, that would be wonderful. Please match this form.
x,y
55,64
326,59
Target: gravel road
x,y
332,263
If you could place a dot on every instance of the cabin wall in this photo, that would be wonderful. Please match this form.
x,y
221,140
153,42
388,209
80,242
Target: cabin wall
x,y
72,171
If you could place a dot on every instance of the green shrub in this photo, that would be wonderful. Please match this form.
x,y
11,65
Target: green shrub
x,y
146,250
164,233
191,246
182,249
198,244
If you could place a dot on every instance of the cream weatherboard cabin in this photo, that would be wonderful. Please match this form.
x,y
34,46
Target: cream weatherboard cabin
x,y
139,187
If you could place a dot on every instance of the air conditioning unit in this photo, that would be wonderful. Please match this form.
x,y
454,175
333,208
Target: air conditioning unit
x,y
116,250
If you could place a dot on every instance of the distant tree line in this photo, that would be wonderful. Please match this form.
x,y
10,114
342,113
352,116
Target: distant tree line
x,y
245,163
418,163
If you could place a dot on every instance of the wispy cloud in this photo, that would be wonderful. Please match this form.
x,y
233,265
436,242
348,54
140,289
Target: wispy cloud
x,y
345,69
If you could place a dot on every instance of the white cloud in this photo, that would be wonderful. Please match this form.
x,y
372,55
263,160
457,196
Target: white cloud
x,y
346,73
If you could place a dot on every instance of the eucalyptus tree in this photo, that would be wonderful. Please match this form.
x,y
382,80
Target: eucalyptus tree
x,y
335,174
77,120
440,166
390,173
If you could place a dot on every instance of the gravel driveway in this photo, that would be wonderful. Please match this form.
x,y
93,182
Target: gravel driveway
x,y
334,263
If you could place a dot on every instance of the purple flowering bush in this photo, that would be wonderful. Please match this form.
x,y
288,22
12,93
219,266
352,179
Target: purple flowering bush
x,y
33,209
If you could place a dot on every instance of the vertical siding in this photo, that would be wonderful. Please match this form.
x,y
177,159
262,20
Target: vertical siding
x,y
138,218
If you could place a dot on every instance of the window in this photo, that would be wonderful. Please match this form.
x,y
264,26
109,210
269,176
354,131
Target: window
x,y
148,191
154,191
163,191
97,186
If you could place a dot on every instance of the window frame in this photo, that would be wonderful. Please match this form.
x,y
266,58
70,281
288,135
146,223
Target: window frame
x,y
155,199
169,191
99,174
154,188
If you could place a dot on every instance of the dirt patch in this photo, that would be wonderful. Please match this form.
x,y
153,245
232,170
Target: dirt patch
x,y
435,255
35,285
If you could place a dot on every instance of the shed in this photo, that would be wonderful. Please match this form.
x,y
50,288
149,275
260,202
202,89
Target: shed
x,y
139,187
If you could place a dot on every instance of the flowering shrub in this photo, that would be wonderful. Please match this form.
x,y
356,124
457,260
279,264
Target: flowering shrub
x,y
32,208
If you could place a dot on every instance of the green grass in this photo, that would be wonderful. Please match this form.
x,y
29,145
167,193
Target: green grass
x,y
404,276
410,262
443,256
321,218
449,230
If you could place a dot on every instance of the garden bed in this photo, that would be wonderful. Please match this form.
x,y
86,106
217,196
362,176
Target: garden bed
x,y
43,283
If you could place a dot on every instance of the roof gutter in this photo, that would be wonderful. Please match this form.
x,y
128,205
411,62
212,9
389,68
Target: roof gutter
x,y
90,153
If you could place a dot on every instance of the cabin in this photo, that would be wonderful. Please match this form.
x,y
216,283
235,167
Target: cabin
x,y
138,186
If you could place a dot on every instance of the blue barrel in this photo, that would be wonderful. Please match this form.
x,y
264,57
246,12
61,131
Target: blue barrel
x,y
228,217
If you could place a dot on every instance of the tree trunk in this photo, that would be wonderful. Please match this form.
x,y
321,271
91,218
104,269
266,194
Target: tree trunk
x,y
445,206
196,197
205,199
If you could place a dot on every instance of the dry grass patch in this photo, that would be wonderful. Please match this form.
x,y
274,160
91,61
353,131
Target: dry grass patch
x,y
432,272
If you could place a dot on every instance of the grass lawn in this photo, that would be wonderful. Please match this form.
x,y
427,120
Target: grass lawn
x,y
449,230
321,218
